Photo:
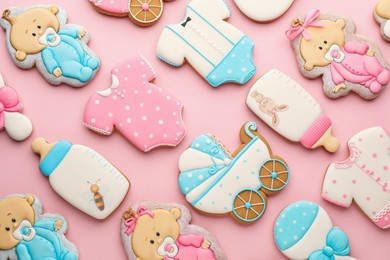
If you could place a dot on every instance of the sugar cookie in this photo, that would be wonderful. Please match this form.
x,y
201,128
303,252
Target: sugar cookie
x,y
263,10
382,16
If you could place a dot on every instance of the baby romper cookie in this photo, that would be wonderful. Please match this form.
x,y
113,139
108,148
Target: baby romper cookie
x,y
363,177
291,111
82,177
263,10
156,231
326,45
218,51
303,230
39,36
382,16
144,113
141,12
17,125
27,234
217,182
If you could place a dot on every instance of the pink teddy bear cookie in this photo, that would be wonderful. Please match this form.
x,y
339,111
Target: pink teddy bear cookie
x,y
144,113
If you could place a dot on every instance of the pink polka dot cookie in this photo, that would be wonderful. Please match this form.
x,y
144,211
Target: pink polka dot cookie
x,y
144,113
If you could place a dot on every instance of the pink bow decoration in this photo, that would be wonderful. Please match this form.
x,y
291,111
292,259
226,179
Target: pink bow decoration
x,y
130,223
310,21
9,102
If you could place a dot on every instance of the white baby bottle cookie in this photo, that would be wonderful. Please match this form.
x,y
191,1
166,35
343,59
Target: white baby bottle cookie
x,y
263,10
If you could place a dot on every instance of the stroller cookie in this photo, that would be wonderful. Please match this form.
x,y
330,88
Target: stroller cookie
x,y
27,234
39,36
326,45
82,177
156,231
363,177
17,125
382,16
144,113
304,230
281,102
218,51
263,10
217,182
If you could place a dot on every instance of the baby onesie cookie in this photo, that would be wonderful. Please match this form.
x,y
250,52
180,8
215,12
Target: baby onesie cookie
x,y
291,111
326,45
218,51
382,16
156,231
304,230
144,113
217,182
17,125
40,36
363,177
263,10
27,234
82,177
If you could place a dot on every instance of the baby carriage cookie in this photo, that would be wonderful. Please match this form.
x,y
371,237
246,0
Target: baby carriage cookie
x,y
218,51
17,125
154,231
40,36
363,177
382,16
304,230
263,10
326,45
27,234
217,182
82,177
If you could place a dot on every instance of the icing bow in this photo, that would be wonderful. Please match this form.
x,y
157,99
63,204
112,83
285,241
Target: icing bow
x,y
130,223
9,102
299,28
337,243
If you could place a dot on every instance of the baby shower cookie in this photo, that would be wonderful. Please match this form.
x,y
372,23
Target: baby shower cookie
x,y
156,231
263,10
40,36
17,125
304,230
82,177
363,177
291,111
326,45
217,182
144,113
382,16
218,51
27,234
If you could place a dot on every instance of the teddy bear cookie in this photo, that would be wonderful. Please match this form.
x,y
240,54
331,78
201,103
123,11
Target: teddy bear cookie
x,y
363,177
82,177
217,182
326,45
218,51
140,12
281,103
156,231
17,125
27,234
304,230
382,16
263,10
40,36
144,113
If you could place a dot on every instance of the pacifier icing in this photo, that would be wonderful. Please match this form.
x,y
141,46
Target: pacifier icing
x,y
50,38
168,248
335,54
25,231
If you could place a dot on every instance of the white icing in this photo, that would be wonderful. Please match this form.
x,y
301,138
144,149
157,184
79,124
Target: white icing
x,y
114,82
263,10
18,235
17,125
105,93
386,29
2,81
335,54
54,42
168,241
194,159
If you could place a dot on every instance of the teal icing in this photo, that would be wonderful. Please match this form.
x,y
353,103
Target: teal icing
x,y
167,61
250,126
54,157
207,145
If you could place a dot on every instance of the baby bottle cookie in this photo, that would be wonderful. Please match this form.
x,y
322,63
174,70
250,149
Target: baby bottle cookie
x,y
82,177
263,10
382,16
27,234
326,45
40,36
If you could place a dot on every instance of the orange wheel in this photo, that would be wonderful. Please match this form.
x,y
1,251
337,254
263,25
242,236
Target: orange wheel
x,y
274,175
249,205
145,12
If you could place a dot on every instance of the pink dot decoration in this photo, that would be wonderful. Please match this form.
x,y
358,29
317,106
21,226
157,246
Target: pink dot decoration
x,y
374,155
368,198
353,181
360,139
344,196
385,168
334,181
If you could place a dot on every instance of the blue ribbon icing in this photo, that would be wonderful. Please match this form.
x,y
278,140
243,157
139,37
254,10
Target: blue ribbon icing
x,y
54,157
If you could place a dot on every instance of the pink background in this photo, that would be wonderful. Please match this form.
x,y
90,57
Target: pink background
x,y
57,113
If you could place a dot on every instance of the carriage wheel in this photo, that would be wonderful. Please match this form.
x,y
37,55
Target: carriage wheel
x,y
145,12
274,175
249,205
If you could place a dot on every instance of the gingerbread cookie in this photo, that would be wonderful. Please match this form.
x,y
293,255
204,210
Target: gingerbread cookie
x,y
156,231
326,45
363,177
217,182
82,177
282,103
382,16
218,51
263,10
27,234
303,230
17,125
39,36
144,113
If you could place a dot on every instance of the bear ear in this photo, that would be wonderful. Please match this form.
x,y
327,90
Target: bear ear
x,y
20,55
128,214
30,199
308,66
54,9
341,23
176,212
